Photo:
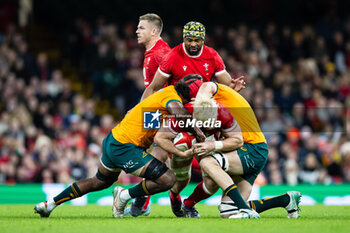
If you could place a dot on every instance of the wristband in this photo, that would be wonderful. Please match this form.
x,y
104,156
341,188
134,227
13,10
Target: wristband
x,y
218,145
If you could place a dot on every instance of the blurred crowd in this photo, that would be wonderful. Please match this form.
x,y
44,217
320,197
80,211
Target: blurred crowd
x,y
298,83
48,133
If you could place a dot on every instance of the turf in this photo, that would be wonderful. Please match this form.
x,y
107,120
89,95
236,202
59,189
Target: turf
x,y
93,218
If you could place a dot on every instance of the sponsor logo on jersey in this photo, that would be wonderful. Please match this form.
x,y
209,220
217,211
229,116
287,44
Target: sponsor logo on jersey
x,y
144,154
130,164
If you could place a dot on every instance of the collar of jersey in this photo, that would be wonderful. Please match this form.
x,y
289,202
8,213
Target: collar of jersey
x,y
200,53
154,44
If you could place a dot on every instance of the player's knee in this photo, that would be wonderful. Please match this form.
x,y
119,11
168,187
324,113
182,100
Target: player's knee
x,y
207,163
155,170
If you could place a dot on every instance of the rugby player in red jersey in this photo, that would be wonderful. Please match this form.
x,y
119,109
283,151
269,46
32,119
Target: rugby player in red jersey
x,y
191,57
148,34
182,166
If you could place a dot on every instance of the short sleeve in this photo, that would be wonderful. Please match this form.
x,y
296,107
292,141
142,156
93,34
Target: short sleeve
x,y
219,64
161,55
168,96
166,66
227,120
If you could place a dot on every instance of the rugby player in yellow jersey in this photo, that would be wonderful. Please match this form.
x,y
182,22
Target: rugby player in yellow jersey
x,y
245,163
124,148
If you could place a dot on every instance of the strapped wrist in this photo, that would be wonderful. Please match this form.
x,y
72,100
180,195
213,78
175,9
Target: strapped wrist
x,y
218,145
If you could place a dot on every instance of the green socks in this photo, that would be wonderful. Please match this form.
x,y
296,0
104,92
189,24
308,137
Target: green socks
x,y
139,190
69,193
235,196
269,203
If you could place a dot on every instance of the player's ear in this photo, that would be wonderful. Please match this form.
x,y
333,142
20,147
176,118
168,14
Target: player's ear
x,y
154,32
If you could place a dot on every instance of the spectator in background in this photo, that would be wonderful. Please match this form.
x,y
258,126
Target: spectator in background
x,y
312,172
42,68
39,142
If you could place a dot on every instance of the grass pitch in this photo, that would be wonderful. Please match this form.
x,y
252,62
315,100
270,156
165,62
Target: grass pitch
x,y
93,218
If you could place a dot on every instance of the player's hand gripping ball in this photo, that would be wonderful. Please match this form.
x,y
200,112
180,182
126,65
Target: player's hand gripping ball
x,y
184,141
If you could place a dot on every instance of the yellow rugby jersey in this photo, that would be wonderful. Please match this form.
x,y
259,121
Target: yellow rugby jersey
x,y
130,129
242,112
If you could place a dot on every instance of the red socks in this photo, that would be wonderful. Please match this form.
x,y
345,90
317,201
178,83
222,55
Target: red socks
x,y
146,203
197,195
175,196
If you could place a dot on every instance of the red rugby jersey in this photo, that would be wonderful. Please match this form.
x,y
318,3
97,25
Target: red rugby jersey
x,y
153,57
179,63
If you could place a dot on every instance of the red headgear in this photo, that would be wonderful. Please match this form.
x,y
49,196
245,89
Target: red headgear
x,y
194,85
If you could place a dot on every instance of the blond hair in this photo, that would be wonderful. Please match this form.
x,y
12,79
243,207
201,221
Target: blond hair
x,y
154,19
205,108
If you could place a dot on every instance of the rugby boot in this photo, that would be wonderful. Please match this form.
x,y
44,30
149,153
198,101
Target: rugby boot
x,y
41,209
118,204
227,208
191,212
245,214
176,205
293,208
137,208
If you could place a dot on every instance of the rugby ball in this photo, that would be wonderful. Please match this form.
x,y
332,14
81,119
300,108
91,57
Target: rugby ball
x,y
184,141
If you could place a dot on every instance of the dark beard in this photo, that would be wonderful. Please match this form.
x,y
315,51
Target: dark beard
x,y
193,53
